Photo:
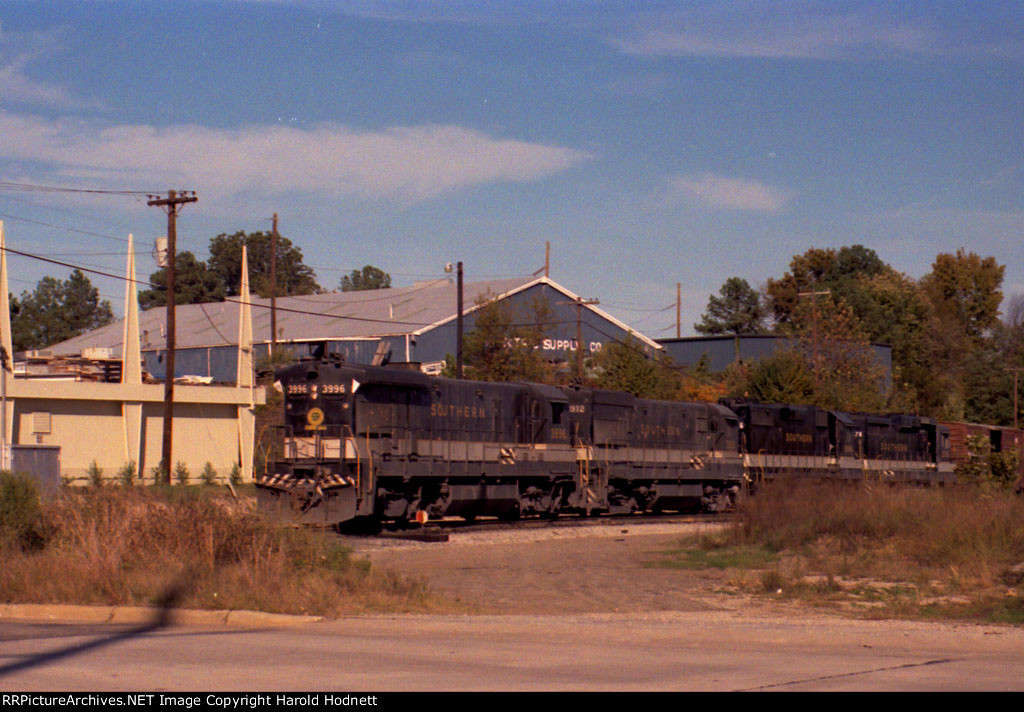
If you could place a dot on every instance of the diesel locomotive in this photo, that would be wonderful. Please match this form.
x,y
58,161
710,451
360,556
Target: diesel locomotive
x,y
369,443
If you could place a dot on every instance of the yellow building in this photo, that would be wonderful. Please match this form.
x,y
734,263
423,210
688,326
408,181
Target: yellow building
x,y
112,424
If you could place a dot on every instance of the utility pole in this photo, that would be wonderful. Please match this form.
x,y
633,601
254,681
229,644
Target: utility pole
x,y
5,460
679,310
458,344
1016,373
273,287
579,302
547,259
171,205
814,316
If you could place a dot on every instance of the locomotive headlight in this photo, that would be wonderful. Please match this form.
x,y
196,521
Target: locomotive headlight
x,y
278,387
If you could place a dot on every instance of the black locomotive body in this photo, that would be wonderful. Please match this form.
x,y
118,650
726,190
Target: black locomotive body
x,y
387,443
789,441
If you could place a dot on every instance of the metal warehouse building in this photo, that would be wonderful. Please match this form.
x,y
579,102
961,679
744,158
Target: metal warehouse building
x,y
724,350
416,324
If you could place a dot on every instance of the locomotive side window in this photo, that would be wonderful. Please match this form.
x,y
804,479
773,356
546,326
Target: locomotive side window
x,y
558,413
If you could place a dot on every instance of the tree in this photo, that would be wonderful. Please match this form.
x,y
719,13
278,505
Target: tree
x,y
369,277
56,311
293,276
194,283
966,287
504,343
842,272
737,311
626,366
783,377
847,374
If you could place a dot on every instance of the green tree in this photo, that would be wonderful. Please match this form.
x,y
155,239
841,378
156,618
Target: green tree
x,y
843,272
369,277
884,305
56,311
293,276
893,309
627,366
504,343
847,374
782,377
736,311
194,283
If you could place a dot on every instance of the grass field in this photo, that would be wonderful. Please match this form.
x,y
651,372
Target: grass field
x,y
191,547
955,552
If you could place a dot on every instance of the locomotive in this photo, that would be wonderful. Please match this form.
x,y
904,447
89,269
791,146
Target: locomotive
x,y
370,443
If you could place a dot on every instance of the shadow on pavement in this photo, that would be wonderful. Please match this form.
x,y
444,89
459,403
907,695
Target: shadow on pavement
x,y
165,605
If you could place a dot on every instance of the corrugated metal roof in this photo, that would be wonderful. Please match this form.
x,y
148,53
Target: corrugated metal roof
x,y
334,315
331,316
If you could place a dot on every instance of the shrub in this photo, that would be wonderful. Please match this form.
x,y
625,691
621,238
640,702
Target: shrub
x,y
181,473
209,475
21,521
95,473
127,473
158,474
236,474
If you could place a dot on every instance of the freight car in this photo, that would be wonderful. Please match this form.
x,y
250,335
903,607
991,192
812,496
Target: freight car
x,y
382,443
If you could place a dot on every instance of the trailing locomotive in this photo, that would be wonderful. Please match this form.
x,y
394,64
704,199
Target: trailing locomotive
x,y
385,443
803,441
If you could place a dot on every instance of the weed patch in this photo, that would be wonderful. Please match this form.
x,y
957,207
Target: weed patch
x,y
742,556
888,551
139,546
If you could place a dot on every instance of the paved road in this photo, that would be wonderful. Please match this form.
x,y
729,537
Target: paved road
x,y
663,651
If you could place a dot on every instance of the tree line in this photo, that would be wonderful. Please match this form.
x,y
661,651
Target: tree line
x,y
58,310
952,354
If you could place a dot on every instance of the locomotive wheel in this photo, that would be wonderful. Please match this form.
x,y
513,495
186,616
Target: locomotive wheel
x,y
365,526
510,516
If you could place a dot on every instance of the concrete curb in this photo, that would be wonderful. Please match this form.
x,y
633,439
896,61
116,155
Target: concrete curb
x,y
54,612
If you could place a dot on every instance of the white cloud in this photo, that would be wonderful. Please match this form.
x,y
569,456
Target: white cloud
x,y
411,164
17,87
17,51
727,193
743,29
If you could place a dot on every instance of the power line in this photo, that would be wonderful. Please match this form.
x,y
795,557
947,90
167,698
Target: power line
x,y
152,285
31,188
61,227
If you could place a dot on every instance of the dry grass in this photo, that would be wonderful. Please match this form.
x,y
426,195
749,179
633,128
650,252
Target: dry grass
x,y
134,546
949,552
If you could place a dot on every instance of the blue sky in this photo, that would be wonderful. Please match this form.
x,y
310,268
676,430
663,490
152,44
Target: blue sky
x,y
650,143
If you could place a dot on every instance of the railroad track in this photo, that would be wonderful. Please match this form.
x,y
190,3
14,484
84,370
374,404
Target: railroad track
x,y
442,530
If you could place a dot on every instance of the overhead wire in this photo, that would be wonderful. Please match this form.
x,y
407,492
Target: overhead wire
x,y
33,188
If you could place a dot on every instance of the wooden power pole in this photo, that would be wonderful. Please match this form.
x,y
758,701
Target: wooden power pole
x,y
814,317
458,326
679,309
273,287
579,302
172,204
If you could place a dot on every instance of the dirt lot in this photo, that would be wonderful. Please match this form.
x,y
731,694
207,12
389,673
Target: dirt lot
x,y
586,569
